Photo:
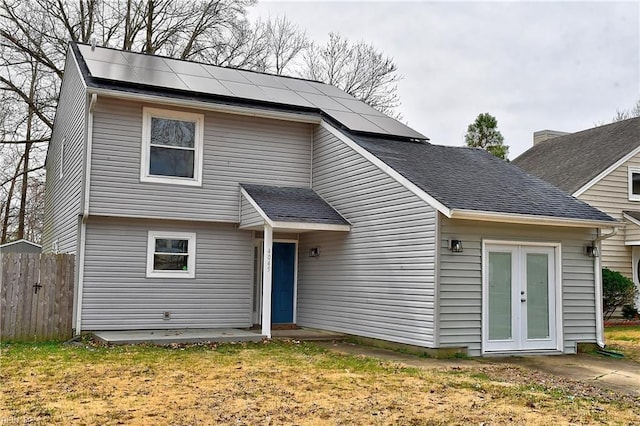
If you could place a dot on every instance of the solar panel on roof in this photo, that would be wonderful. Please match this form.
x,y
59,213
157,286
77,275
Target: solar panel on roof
x,y
189,68
352,120
227,74
287,97
160,78
263,80
330,90
104,55
112,71
147,61
246,91
356,106
393,127
323,102
205,85
300,86
200,78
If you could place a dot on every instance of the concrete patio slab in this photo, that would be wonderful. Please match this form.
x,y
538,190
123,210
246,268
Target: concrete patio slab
x,y
167,337
306,334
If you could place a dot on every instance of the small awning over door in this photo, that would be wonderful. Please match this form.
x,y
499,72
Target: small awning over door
x,y
287,209
631,227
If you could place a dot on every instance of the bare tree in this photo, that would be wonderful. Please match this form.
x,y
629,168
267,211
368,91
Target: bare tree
x,y
359,69
285,42
34,35
625,114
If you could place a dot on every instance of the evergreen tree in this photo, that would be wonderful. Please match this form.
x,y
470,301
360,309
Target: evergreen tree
x,y
483,133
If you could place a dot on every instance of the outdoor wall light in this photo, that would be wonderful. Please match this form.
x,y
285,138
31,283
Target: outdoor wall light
x,y
314,252
591,251
455,246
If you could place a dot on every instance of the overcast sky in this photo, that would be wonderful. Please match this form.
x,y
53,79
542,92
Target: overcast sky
x,y
533,65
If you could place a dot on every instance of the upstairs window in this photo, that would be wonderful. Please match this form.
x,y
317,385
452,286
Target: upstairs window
x,y
171,147
171,254
634,183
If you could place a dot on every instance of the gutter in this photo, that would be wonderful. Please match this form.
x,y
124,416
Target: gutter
x,y
85,213
597,272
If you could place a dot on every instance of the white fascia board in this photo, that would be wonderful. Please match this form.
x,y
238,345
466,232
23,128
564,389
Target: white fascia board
x,y
631,219
255,205
306,226
388,170
209,106
606,172
530,219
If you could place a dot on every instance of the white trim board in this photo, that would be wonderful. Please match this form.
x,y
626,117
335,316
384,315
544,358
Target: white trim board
x,y
606,172
631,219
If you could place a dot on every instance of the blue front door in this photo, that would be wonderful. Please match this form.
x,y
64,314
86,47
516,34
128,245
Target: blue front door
x,y
284,260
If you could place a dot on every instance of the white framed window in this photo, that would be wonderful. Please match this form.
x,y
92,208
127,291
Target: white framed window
x,y
171,147
634,183
171,254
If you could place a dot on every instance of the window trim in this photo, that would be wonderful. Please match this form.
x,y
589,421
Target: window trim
x,y
198,119
191,254
630,171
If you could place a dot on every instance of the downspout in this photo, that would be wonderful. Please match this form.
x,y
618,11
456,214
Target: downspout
x,y
597,272
85,213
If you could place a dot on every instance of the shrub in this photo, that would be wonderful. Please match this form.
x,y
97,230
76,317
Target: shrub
x,y
617,290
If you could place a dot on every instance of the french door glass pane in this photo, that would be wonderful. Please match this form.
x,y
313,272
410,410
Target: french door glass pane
x,y
537,296
500,296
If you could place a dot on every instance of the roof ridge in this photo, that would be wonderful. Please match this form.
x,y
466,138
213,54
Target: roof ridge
x,y
590,129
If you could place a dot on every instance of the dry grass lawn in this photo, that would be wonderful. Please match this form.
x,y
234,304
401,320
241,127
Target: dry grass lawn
x,y
625,339
279,383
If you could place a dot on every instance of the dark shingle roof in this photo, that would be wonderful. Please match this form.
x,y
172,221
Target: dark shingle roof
x,y
285,204
472,179
569,162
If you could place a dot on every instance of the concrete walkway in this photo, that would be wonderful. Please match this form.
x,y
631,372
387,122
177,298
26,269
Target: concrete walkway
x,y
613,374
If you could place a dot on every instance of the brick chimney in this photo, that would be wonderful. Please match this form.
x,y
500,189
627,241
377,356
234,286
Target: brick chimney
x,y
544,135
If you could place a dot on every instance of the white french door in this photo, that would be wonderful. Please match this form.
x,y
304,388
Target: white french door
x,y
520,292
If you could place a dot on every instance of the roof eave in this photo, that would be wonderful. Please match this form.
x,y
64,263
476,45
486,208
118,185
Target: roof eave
x,y
606,172
523,219
206,105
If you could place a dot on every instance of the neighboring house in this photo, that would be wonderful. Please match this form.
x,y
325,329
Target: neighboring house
x,y
203,197
20,246
600,166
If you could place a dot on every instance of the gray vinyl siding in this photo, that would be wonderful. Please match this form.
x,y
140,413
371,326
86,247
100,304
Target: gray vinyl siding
x,y
611,195
237,149
118,296
249,216
460,297
378,279
631,232
63,196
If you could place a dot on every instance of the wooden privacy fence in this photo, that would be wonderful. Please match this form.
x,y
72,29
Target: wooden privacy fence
x,y
36,297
